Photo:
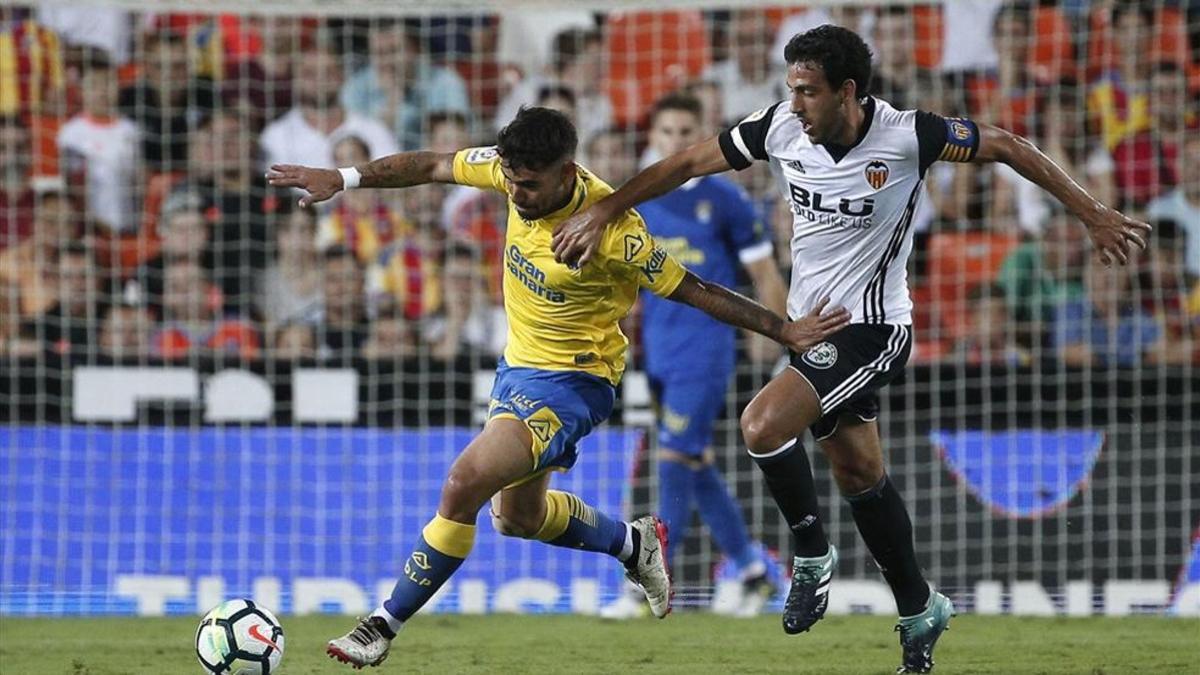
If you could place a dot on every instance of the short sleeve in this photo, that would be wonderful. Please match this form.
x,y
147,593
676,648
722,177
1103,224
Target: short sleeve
x,y
946,139
480,168
746,141
628,247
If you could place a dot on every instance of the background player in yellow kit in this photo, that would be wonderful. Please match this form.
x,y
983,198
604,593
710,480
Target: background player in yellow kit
x,y
564,356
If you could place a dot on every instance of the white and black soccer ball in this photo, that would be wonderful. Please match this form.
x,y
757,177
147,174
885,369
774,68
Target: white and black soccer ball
x,y
239,637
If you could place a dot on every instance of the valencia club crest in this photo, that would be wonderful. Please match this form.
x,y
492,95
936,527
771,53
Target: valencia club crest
x,y
877,174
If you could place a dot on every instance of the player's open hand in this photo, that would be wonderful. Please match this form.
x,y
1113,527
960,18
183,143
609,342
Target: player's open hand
x,y
576,239
1113,233
321,184
812,328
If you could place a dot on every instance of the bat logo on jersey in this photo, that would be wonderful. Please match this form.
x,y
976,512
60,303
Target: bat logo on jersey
x,y
821,356
877,174
961,131
633,246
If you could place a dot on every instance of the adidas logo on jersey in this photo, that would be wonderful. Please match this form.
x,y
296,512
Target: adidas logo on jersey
x,y
795,165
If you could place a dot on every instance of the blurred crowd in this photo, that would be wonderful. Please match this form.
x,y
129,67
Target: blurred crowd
x,y
135,222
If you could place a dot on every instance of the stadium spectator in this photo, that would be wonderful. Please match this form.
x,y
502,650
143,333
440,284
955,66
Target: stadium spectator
x,y
192,323
1148,161
576,63
69,326
343,327
362,220
185,232
1182,205
469,216
469,321
406,274
1163,290
16,189
237,202
1045,273
1118,101
32,58
125,332
967,43
609,154
400,87
259,86
712,115
525,40
558,97
1062,135
289,290
100,150
307,133
27,269
447,129
294,341
989,338
390,336
85,26
1005,95
894,72
746,77
166,102
1105,327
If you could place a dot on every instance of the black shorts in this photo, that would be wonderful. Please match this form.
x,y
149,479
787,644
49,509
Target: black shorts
x,y
848,369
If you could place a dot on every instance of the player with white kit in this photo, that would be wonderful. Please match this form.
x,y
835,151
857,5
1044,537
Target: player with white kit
x,y
853,170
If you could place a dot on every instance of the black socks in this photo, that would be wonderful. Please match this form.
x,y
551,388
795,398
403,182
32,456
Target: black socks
x,y
790,480
885,527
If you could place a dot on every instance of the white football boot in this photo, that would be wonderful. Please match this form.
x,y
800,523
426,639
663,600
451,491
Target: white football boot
x,y
366,645
649,571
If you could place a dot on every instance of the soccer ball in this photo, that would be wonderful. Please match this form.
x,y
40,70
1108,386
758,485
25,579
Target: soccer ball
x,y
239,637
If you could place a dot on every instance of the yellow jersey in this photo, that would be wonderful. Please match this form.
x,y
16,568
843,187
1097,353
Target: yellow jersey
x,y
561,318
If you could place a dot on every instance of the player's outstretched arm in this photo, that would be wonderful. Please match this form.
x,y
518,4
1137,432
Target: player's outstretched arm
x,y
576,239
1112,232
403,169
738,310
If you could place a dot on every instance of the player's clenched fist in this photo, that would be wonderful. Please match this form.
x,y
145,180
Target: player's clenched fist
x,y
321,184
814,327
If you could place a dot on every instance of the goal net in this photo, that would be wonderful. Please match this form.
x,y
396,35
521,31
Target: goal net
x,y
209,392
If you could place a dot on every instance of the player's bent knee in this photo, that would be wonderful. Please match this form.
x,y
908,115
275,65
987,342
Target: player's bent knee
x,y
758,432
461,493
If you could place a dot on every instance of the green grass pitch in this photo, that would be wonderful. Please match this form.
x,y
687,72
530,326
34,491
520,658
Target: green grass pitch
x,y
683,643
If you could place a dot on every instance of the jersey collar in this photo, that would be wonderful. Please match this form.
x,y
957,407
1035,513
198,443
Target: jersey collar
x,y
838,152
576,201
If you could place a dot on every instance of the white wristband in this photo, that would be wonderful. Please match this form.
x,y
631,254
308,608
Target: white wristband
x,y
350,178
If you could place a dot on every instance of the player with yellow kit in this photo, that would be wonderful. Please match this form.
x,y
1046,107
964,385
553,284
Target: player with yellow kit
x,y
564,357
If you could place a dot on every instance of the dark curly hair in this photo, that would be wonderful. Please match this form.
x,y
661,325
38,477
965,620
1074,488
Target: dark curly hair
x,y
840,52
536,138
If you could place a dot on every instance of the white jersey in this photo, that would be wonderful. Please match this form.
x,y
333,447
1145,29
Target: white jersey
x,y
852,205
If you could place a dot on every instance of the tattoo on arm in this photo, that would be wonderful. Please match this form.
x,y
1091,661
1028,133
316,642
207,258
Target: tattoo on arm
x,y
400,170
728,306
